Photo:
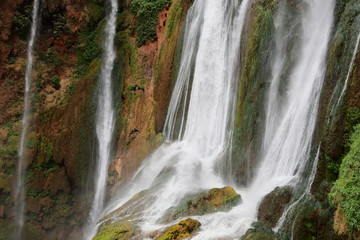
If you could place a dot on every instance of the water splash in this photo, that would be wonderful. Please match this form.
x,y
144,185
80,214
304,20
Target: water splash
x,y
105,120
20,167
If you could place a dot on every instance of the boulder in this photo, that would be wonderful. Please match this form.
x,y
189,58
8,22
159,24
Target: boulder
x,y
182,230
259,232
217,199
273,205
121,230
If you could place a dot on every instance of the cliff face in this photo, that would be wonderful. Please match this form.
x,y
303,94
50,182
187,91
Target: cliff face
x,y
61,143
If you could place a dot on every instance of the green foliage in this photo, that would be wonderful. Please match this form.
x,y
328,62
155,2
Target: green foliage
x,y
346,190
352,119
22,21
55,82
147,18
87,53
37,194
60,26
51,57
12,60
135,87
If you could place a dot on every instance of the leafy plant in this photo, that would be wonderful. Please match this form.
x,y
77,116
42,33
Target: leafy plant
x,y
22,21
147,18
346,190
55,82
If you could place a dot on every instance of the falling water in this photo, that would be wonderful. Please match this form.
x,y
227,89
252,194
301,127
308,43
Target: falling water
x,y
105,119
350,69
198,125
197,136
20,171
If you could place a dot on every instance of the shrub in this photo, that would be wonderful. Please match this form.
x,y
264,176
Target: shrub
x,y
55,82
146,13
346,190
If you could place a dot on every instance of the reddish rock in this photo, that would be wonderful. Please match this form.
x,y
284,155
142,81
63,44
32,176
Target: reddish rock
x,y
57,181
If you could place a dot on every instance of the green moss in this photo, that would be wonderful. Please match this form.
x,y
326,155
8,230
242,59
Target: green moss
x,y
116,231
346,190
217,199
256,67
4,184
146,13
37,194
181,230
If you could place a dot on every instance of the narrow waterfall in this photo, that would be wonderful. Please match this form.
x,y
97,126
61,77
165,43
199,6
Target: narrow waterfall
x,y
350,69
105,117
20,166
200,116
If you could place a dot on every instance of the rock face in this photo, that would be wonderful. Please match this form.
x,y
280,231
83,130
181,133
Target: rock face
x,y
273,206
217,199
181,230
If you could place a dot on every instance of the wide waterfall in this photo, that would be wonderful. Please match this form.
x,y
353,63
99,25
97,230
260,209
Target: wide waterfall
x,y
20,167
199,122
105,117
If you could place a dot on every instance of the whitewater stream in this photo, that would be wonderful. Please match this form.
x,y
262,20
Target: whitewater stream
x,y
105,119
19,203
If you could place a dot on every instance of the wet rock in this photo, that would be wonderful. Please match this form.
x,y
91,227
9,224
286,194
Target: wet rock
x,y
181,230
117,231
217,199
259,231
273,205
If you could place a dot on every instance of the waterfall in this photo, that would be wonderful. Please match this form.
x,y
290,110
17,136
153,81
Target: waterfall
x,y
200,117
350,69
21,163
105,119
198,125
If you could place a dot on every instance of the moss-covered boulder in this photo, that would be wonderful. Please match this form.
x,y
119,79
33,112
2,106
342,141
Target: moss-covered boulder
x,y
273,205
259,232
117,231
217,199
181,230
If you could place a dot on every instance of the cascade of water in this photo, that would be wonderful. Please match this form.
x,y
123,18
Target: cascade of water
x,y
105,118
198,137
198,125
20,171
350,69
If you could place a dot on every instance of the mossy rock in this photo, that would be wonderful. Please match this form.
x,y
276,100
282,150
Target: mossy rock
x,y
181,230
273,205
258,231
217,199
116,231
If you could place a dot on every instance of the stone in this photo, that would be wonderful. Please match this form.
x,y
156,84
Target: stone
x,y
122,230
181,230
273,205
217,199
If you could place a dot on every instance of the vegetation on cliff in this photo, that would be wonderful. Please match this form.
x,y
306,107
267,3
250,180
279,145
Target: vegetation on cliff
x,y
345,194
